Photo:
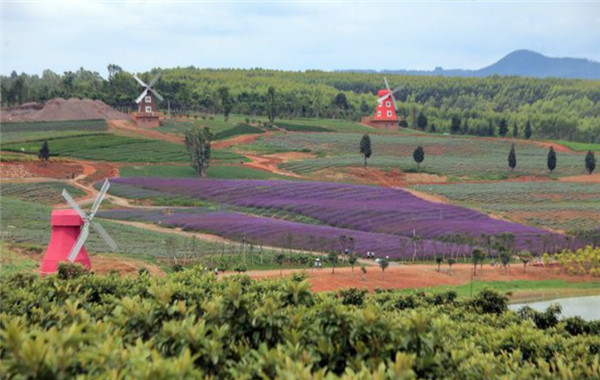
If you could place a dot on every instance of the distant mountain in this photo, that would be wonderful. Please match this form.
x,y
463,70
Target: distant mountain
x,y
525,63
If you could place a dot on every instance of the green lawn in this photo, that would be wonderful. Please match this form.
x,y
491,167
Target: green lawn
x,y
547,287
107,147
581,147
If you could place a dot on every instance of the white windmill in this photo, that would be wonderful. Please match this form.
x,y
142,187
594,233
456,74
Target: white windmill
x,y
68,236
147,114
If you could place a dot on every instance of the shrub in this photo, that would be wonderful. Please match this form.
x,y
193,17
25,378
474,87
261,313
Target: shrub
x,y
71,270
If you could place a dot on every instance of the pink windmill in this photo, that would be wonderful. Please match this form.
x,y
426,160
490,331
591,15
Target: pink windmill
x,y
67,237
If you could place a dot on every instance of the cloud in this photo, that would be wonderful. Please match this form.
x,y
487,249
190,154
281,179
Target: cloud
x,y
66,35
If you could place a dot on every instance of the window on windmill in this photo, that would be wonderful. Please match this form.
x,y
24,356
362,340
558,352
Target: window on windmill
x,y
389,113
388,104
148,99
148,109
378,113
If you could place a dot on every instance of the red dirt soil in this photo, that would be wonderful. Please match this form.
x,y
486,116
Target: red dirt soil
x,y
131,129
59,109
237,140
418,276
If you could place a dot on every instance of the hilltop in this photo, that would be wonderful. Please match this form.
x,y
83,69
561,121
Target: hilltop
x,y
524,63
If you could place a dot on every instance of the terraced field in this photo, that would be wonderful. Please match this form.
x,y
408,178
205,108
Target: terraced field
x,y
557,205
13,132
451,156
115,148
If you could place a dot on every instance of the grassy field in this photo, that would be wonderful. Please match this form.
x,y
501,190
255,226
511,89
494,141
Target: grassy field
x,y
214,171
13,132
40,192
117,149
451,156
581,147
522,290
557,205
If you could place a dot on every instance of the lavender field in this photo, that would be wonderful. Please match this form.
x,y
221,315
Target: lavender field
x,y
379,219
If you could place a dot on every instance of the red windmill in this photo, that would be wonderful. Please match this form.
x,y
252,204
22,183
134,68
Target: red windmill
x,y
385,113
68,237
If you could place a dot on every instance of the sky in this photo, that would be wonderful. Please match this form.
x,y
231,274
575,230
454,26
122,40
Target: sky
x,y
286,35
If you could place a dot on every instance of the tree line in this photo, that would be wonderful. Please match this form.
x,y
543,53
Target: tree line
x,y
549,108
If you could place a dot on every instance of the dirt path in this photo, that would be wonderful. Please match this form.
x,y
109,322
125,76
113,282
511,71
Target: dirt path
x,y
130,128
241,139
267,163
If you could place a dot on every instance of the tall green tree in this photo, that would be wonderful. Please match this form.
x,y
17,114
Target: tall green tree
x,y
419,156
197,143
421,121
226,101
502,127
44,152
515,130
455,125
477,256
383,264
365,147
551,161
332,258
590,162
271,104
512,158
527,131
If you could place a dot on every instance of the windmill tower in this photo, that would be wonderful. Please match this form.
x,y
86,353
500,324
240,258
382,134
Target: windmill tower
x,y
148,115
385,114
68,237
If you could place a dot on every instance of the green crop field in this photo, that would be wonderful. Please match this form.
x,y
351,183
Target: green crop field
x,y
39,192
452,156
13,132
557,205
214,171
115,148
581,147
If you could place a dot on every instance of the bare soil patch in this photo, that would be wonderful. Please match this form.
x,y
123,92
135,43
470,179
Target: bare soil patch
x,y
237,140
59,109
585,178
418,276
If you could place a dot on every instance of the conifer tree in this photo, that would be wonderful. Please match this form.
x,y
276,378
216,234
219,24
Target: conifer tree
x,y
590,162
551,162
527,130
419,156
365,147
512,158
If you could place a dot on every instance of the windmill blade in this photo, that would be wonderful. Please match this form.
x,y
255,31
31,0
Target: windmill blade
x,y
111,243
398,89
154,80
99,199
73,204
85,231
139,99
387,85
157,94
141,82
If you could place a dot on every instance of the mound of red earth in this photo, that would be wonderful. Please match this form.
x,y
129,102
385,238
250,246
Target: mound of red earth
x,y
59,109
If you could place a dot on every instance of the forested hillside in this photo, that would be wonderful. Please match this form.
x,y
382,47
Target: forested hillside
x,y
555,108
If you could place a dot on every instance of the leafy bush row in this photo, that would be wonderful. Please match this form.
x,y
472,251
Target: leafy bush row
x,y
191,325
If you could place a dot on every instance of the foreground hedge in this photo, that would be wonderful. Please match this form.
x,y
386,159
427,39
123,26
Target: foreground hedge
x,y
189,325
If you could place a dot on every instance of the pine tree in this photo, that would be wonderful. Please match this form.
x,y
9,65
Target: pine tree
x,y
590,162
365,147
419,156
527,131
271,104
515,130
512,158
551,159
44,152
